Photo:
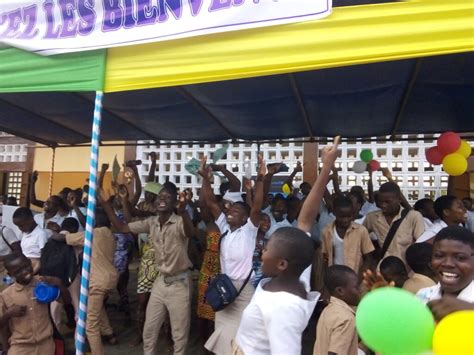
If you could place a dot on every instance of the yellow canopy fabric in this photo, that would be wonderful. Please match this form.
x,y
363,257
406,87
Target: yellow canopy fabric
x,y
351,35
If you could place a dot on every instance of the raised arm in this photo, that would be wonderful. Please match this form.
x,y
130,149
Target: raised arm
x,y
310,208
118,225
296,170
370,187
151,173
206,190
335,181
132,164
187,222
272,169
103,170
388,175
33,200
258,198
234,182
248,192
73,203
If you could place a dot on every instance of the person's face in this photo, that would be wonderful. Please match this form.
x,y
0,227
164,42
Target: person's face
x,y
305,189
389,203
350,293
51,205
166,201
150,197
429,211
25,225
453,263
457,212
358,190
279,210
236,216
272,263
344,217
398,279
356,206
264,222
21,270
467,204
269,199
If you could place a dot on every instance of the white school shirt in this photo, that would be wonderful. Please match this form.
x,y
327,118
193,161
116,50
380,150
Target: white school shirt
x,y
428,223
273,322
338,247
32,243
432,293
73,214
368,207
10,237
40,220
277,225
431,232
237,248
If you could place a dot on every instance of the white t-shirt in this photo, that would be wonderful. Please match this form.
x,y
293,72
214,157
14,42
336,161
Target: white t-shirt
x,y
428,223
10,237
73,214
338,247
237,248
432,293
273,322
40,220
470,221
368,207
431,233
277,225
32,243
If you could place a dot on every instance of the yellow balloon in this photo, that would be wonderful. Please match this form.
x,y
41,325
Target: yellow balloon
x,y
464,149
286,189
455,164
453,335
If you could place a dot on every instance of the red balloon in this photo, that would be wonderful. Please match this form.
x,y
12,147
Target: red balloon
x,y
449,142
434,156
374,165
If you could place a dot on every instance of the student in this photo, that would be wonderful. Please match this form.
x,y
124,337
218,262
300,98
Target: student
x,y
103,279
368,204
393,271
239,232
9,243
336,331
418,257
453,265
278,212
279,312
426,207
345,242
451,212
380,222
170,233
262,237
33,237
357,200
50,218
29,321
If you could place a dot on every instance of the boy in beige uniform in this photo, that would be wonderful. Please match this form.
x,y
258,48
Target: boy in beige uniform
x,y
171,291
379,222
336,331
103,279
29,321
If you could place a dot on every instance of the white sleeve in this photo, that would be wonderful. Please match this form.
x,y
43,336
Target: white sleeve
x,y
42,239
250,228
427,235
39,221
221,223
284,330
10,235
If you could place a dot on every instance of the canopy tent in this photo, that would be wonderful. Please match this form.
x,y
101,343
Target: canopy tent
x,y
186,89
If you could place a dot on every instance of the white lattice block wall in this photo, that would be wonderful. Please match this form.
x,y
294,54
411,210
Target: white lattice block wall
x,y
13,153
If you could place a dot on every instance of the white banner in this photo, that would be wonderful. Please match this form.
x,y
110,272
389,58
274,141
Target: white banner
x,y
59,26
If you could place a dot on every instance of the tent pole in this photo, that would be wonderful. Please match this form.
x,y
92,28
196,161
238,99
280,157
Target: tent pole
x,y
51,177
86,263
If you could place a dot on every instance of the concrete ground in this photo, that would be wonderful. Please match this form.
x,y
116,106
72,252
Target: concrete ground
x,y
125,330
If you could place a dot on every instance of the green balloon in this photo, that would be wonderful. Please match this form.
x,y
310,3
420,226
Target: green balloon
x,y
393,321
366,155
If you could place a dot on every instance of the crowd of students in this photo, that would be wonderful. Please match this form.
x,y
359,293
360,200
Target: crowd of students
x,y
287,255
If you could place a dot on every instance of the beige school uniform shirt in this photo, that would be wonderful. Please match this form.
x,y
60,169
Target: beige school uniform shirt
x,y
356,244
411,228
103,274
416,282
336,330
35,326
170,243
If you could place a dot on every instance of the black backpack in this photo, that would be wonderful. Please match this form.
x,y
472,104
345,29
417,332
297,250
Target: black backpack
x,y
59,259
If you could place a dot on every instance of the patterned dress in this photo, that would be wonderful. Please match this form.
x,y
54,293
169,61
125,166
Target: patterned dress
x,y
209,269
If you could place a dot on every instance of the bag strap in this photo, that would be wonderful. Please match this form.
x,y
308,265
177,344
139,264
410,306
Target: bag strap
x,y
5,239
392,231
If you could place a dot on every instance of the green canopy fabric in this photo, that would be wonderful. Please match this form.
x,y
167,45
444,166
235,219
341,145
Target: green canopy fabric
x,y
21,71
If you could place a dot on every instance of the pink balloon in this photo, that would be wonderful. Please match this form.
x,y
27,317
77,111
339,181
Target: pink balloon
x,y
374,165
434,156
449,142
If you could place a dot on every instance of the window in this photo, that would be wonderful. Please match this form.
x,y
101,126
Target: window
x,y
14,184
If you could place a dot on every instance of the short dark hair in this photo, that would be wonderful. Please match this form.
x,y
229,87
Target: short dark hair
x,y
418,256
295,246
337,276
279,198
244,206
70,224
342,202
171,188
22,213
390,187
422,204
443,203
357,195
456,233
11,258
392,264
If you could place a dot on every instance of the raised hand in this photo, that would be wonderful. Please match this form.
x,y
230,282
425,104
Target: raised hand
x,y
373,280
152,156
204,170
71,199
261,166
217,167
34,176
182,202
273,168
104,167
387,173
299,167
122,192
329,152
